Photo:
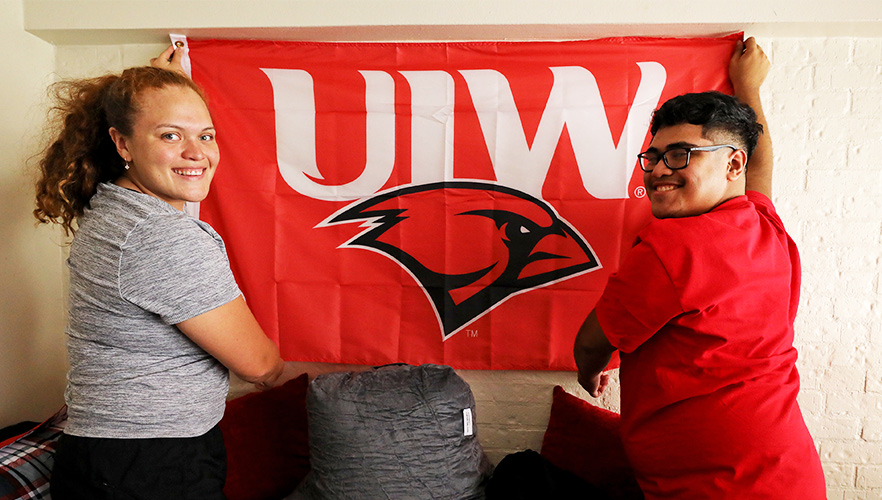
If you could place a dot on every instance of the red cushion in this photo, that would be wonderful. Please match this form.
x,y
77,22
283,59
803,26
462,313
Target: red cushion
x,y
585,440
267,442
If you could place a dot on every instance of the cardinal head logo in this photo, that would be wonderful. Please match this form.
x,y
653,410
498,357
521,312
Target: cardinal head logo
x,y
470,245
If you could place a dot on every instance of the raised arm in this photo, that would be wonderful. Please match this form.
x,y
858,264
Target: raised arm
x,y
747,70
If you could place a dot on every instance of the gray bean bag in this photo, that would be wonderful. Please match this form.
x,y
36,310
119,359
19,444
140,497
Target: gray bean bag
x,y
395,432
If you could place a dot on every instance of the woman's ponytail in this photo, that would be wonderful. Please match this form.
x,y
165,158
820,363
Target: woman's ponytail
x,y
71,167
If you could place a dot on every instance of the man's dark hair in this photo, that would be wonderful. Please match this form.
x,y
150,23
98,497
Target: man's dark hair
x,y
715,112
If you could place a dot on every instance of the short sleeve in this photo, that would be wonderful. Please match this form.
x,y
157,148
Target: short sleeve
x,y
765,208
175,268
638,300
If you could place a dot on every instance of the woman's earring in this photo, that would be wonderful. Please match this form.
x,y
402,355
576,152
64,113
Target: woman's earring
x,y
127,165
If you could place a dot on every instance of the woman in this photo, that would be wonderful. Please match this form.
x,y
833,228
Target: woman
x,y
156,317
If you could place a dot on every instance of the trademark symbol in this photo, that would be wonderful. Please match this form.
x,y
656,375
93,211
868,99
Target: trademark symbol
x,y
640,192
471,333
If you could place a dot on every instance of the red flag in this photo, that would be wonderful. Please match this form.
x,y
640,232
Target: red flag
x,y
452,203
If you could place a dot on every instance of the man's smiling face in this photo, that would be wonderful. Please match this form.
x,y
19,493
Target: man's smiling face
x,y
711,178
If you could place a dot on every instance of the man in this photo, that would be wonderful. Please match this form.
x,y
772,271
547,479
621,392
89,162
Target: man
x,y
702,311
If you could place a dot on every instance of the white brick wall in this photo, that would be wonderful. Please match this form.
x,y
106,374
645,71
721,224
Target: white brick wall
x,y
824,103
833,127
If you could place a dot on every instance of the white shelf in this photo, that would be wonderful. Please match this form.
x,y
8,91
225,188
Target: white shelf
x,y
72,22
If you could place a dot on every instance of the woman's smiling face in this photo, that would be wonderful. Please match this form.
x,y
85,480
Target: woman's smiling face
x,y
172,152
710,178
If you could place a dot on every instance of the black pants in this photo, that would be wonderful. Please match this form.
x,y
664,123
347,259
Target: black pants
x,y
527,475
140,469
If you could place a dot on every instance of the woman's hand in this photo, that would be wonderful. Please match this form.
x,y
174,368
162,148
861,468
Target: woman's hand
x,y
169,59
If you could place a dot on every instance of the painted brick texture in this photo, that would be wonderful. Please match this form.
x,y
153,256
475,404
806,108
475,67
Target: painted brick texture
x,y
823,100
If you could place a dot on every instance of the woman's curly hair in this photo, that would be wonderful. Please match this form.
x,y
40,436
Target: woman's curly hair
x,y
82,154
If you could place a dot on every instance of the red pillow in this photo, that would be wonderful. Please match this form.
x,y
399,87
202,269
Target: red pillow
x,y
585,440
267,442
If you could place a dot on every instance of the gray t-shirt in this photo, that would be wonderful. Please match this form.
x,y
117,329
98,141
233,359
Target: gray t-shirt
x,y
138,267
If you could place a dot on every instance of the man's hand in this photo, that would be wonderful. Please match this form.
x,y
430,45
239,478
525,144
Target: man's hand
x,y
170,59
594,385
748,67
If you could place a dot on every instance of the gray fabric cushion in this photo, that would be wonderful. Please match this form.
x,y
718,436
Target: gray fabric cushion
x,y
395,432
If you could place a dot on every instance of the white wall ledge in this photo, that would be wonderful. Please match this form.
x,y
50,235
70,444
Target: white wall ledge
x,y
74,22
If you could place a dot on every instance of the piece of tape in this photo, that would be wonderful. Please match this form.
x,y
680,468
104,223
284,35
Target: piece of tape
x,y
180,43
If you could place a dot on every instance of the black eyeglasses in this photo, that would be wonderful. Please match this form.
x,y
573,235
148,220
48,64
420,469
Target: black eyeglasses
x,y
675,158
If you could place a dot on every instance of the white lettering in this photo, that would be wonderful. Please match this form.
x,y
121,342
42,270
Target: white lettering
x,y
574,101
294,101
432,125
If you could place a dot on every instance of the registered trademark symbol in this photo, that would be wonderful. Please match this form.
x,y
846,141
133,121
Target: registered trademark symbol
x,y
640,192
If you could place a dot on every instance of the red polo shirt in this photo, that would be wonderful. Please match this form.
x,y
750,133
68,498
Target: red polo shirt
x,y
702,313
